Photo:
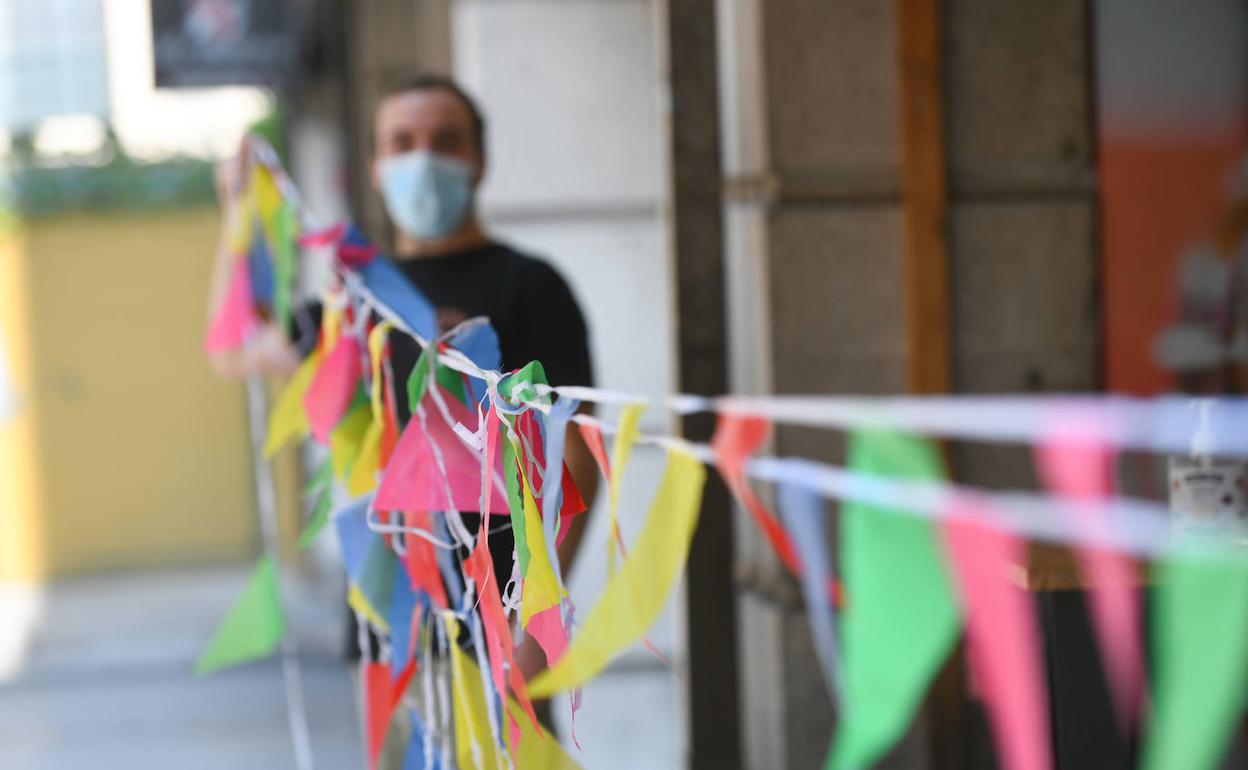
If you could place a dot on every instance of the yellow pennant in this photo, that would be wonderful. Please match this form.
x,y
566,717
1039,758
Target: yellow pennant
x,y
347,439
620,454
634,596
541,588
243,229
534,751
268,199
474,746
364,471
288,419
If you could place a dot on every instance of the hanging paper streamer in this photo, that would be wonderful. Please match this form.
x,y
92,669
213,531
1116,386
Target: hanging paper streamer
x,y
1201,634
1003,638
253,627
414,758
802,510
635,594
902,620
1080,470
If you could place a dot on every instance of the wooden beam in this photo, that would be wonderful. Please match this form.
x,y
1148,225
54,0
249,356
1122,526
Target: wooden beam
x,y
696,188
924,196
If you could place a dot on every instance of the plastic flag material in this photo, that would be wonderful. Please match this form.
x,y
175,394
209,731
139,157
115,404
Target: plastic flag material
x,y
1003,637
253,627
317,521
634,595
236,317
333,387
620,453
803,515
737,438
902,619
347,439
1200,623
1080,471
381,697
534,748
414,758
413,481
392,289
288,420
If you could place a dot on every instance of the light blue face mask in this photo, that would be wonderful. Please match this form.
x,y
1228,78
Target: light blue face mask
x,y
426,194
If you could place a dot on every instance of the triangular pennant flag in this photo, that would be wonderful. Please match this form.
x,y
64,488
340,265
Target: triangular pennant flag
x,y
421,560
1003,637
252,629
288,420
1080,470
347,439
381,696
1200,624
902,620
634,596
333,387
392,290
736,439
542,587
235,319
474,746
802,510
404,604
413,480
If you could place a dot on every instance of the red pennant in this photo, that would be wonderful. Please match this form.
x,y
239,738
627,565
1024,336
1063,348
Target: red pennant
x,y
736,439
421,561
333,387
381,696
593,439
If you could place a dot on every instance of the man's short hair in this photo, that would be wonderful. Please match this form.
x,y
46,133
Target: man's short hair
x,y
442,83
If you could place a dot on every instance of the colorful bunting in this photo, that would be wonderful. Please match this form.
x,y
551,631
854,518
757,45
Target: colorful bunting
x,y
235,319
288,420
620,454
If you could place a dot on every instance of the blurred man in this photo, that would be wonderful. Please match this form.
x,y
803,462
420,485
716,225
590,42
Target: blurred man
x,y
428,163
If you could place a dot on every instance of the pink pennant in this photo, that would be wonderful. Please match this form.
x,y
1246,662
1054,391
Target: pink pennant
x,y
1080,469
1003,641
333,387
236,316
413,480
546,627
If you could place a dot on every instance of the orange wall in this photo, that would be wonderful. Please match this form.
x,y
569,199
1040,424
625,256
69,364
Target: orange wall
x,y
1158,198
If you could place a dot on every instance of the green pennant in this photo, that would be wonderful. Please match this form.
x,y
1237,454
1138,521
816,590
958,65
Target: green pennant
x,y
901,619
320,479
286,227
518,384
515,502
417,381
318,519
253,627
1200,629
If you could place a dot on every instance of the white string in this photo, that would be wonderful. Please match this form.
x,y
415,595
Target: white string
x,y
1164,425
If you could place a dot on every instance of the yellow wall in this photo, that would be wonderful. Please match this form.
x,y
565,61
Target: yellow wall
x,y
128,452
